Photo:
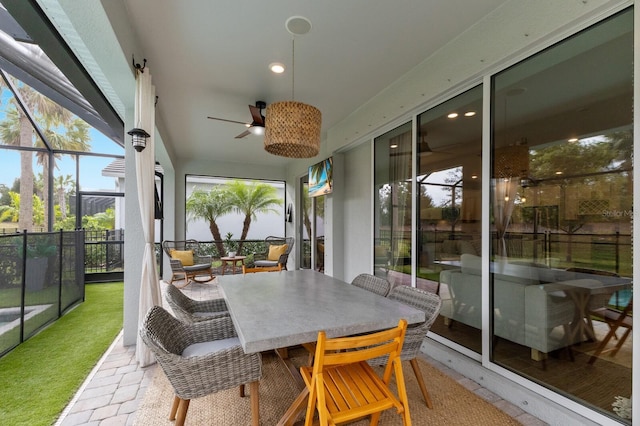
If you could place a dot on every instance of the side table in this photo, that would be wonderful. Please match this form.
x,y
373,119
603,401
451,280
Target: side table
x,y
233,261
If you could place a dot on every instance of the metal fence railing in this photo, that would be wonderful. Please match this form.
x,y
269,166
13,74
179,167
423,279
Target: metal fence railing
x,y
41,277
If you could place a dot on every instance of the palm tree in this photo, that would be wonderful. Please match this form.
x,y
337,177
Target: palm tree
x,y
210,205
60,185
16,129
75,138
323,167
251,199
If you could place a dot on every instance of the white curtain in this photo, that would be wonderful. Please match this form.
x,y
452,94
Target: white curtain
x,y
145,167
504,197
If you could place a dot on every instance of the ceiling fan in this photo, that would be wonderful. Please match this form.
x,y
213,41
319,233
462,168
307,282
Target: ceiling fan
x,y
256,127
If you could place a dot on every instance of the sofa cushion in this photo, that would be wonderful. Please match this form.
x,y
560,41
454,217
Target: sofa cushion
x,y
470,264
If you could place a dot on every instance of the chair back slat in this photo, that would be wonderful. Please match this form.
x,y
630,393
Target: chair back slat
x,y
343,387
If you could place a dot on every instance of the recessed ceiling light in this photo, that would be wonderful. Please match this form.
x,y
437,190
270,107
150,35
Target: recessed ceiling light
x,y
474,176
573,140
276,67
393,145
469,113
452,115
558,172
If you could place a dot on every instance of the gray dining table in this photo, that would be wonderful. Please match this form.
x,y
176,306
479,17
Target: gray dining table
x,y
273,310
277,310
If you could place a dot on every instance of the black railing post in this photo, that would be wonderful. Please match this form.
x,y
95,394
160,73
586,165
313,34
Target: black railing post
x,y
60,245
24,284
106,249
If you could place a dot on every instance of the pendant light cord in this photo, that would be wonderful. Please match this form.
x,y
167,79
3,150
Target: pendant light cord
x,y
293,68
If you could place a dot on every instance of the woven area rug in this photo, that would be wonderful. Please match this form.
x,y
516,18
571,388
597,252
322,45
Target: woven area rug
x,y
453,403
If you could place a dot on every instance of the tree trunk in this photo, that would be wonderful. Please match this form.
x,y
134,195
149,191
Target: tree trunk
x,y
25,221
245,230
62,202
45,191
217,239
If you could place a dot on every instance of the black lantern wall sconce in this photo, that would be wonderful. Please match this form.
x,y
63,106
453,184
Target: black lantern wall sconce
x,y
138,138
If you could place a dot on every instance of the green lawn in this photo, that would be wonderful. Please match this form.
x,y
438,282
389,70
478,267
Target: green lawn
x,y
41,376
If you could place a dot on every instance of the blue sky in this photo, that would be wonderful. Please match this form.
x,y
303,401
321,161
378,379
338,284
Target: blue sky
x,y
91,178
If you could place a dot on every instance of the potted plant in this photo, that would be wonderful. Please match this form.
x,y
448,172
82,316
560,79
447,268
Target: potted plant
x,y
230,245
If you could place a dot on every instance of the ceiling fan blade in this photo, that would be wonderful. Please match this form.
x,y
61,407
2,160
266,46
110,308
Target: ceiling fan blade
x,y
256,114
243,134
229,121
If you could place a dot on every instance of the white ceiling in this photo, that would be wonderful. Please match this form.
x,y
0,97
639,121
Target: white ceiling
x,y
210,58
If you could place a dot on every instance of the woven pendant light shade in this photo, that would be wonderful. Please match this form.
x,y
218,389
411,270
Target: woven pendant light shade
x,y
511,161
292,129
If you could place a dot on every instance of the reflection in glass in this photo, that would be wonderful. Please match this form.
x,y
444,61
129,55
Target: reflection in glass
x,y
449,212
305,225
561,186
393,204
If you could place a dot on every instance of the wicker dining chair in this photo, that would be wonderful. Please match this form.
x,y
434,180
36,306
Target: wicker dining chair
x,y
200,359
377,285
189,310
430,303
373,284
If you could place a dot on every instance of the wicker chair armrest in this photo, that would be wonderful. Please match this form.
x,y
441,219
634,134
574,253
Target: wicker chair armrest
x,y
176,265
212,329
202,259
194,377
184,334
210,305
413,340
259,256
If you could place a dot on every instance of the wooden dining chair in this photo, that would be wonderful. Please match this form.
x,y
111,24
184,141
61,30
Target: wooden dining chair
x,y
616,319
343,386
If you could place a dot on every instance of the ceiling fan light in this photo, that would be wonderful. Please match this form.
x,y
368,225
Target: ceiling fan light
x,y
257,130
292,129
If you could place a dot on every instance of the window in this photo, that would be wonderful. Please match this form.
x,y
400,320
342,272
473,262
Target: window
x,y
561,199
233,213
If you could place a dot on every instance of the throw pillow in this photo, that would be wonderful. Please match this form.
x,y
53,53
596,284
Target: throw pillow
x,y
184,256
276,251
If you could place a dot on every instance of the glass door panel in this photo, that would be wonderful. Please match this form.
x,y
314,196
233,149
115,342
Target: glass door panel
x,y
393,205
449,214
561,201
